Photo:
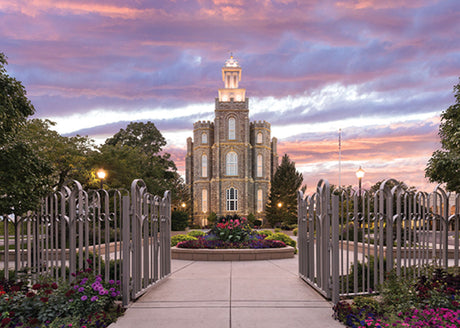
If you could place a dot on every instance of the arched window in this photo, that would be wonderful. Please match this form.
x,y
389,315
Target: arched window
x,y
204,200
260,204
231,129
204,138
259,137
231,163
204,166
232,199
259,166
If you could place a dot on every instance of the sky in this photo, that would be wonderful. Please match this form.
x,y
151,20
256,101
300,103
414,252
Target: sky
x,y
381,71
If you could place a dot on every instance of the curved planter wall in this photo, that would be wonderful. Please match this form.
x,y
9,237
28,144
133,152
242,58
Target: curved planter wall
x,y
231,254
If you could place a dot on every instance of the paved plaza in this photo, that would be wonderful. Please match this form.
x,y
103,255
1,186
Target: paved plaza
x,y
228,295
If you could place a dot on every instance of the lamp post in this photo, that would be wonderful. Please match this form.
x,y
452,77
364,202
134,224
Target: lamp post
x,y
101,175
359,175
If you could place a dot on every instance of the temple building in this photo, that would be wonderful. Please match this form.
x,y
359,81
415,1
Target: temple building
x,y
230,162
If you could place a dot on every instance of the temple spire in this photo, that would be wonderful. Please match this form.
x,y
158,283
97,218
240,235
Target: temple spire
x,y
231,76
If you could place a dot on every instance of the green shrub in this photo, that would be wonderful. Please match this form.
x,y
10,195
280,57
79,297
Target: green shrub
x,y
277,230
196,233
178,238
212,218
363,269
295,231
264,232
251,219
179,220
257,223
289,227
284,238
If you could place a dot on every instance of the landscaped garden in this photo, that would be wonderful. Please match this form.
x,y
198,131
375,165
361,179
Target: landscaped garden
x,y
431,300
232,232
87,301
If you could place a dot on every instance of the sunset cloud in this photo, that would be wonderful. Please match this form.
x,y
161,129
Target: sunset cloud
x,y
382,71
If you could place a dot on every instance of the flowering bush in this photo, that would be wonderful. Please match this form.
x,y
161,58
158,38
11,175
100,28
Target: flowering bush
x,y
231,229
203,242
235,232
429,301
43,303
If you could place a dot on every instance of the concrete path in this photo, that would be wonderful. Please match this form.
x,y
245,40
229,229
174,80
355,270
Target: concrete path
x,y
228,295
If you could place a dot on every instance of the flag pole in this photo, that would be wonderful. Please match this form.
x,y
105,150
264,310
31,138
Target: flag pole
x,y
340,158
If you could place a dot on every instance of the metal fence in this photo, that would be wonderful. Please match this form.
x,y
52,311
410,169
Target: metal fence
x,y
348,241
121,235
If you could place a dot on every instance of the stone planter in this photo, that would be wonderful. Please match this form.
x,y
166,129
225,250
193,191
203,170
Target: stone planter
x,y
205,254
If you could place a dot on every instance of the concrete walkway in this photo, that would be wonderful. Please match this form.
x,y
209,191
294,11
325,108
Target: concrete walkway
x,y
228,295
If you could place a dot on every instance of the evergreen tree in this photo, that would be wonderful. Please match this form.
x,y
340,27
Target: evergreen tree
x,y
281,208
444,164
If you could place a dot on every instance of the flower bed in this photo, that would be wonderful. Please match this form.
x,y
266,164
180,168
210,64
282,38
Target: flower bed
x,y
232,239
86,302
429,301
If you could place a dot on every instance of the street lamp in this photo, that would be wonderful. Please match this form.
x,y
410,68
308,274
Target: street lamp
x,y
280,205
360,176
101,175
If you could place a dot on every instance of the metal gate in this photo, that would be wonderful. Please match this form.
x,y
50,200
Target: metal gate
x,y
122,235
349,240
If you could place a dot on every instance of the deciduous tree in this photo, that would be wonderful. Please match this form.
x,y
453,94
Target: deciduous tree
x,y
444,164
24,176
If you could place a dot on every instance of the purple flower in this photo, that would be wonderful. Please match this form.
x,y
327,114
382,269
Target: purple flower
x,y
94,298
81,289
111,281
84,298
114,294
102,292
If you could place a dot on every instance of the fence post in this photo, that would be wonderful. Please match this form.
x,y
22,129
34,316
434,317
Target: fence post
x,y
126,240
335,249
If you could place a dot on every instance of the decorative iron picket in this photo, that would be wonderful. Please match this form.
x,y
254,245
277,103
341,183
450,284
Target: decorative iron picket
x,y
105,227
364,236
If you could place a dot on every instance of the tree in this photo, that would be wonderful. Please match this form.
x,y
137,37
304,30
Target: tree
x,y
444,164
14,105
144,136
24,176
67,156
137,153
282,202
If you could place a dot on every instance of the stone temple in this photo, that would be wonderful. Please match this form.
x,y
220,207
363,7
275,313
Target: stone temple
x,y
230,162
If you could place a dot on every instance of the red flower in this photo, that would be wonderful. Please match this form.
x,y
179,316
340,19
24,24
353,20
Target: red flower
x,y
54,285
69,292
15,288
36,286
34,321
48,291
44,299
5,321
30,294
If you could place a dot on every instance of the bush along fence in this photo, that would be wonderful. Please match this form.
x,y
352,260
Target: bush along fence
x,y
125,234
348,241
